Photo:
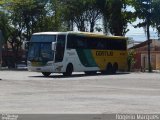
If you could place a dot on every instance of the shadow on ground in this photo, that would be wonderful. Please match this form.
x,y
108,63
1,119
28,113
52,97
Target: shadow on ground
x,y
78,75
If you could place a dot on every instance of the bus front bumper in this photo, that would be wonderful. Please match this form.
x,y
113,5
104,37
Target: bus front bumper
x,y
41,69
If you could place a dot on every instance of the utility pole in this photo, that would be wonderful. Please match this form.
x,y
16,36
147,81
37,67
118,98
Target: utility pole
x,y
0,49
148,35
148,10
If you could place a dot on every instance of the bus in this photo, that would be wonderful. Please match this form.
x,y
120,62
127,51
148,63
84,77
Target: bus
x,y
68,52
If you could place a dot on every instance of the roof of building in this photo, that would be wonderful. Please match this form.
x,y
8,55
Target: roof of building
x,y
142,44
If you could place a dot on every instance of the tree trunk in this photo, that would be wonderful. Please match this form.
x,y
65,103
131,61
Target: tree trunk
x,y
92,26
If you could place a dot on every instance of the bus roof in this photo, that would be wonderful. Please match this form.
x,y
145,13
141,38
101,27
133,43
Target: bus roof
x,y
81,33
49,33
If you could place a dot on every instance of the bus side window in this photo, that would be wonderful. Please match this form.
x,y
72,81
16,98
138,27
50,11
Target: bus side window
x,y
100,44
81,42
60,48
71,42
92,43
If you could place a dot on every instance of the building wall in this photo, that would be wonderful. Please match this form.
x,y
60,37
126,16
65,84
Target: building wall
x,y
141,56
137,58
144,61
141,59
158,61
153,60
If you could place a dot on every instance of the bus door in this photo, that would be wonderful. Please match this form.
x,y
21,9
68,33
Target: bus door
x,y
60,48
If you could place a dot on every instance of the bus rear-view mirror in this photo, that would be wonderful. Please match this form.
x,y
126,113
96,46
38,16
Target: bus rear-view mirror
x,y
54,46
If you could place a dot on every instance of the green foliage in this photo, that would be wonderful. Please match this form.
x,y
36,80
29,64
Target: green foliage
x,y
156,16
131,59
4,25
103,6
22,17
86,15
61,15
144,11
115,16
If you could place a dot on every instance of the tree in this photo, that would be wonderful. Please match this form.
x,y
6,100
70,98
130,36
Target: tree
x,y
85,16
119,17
8,32
4,25
103,6
56,7
155,15
143,10
93,14
115,16
22,21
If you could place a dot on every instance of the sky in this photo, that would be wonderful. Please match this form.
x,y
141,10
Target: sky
x,y
138,34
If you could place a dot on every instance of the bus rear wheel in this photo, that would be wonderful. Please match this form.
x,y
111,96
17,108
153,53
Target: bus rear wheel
x,y
109,69
115,68
46,74
69,70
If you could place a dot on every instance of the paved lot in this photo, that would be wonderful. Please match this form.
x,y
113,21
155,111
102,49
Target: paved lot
x,y
29,92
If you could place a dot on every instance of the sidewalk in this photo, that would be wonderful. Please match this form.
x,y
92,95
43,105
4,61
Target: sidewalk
x,y
19,67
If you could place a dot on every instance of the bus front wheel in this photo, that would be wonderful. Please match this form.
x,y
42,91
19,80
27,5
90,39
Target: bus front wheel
x,y
69,70
46,74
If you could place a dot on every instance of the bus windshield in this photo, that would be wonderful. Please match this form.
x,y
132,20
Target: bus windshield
x,y
43,38
40,48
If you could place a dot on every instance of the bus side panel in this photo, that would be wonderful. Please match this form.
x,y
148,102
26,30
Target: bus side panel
x,y
96,60
81,59
103,57
86,57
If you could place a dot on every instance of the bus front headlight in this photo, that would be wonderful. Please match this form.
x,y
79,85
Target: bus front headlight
x,y
28,63
49,63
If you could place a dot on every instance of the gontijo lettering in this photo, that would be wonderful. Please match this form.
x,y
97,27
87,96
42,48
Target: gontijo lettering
x,y
104,53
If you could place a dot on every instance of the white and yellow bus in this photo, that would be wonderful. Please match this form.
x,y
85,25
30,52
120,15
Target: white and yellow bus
x,y
67,52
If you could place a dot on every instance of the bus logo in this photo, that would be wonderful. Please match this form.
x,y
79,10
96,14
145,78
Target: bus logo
x,y
104,53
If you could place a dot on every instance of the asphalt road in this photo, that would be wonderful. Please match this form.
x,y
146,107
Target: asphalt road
x,y
30,92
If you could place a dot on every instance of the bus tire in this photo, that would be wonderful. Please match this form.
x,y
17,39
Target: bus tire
x,y
69,70
109,69
46,74
114,68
